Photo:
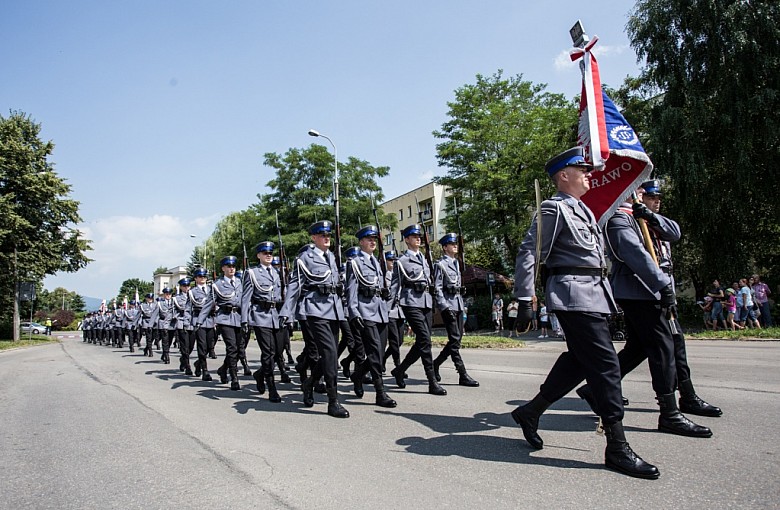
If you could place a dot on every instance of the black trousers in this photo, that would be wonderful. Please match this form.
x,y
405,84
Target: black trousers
x,y
372,338
167,338
592,357
266,339
324,333
421,322
631,356
282,342
119,337
649,335
350,339
186,340
309,356
234,341
204,337
148,333
394,340
454,327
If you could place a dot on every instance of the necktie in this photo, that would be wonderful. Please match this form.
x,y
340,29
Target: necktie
x,y
270,274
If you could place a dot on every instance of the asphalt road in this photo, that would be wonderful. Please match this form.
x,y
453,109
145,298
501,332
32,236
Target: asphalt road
x,y
85,426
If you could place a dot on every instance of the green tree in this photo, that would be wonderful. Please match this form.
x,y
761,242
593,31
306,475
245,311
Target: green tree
x,y
128,288
499,134
160,270
715,134
37,236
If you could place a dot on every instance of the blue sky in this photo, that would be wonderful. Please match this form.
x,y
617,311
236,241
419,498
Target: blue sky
x,y
161,111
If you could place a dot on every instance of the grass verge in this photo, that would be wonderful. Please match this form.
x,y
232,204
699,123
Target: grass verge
x,y
475,342
25,342
745,334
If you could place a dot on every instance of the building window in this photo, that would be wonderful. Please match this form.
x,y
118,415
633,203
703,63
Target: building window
x,y
410,211
400,215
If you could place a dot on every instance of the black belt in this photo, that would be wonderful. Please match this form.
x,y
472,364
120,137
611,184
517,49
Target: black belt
x,y
229,309
370,292
578,271
418,286
263,304
454,289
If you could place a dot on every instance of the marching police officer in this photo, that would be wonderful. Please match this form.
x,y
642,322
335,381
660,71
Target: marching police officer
x,y
396,318
129,324
447,290
245,336
367,312
410,285
578,292
165,324
117,325
182,319
147,320
350,337
262,290
315,282
204,332
225,297
283,341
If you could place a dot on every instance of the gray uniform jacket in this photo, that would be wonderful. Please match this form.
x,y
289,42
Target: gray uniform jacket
x,y
310,274
147,316
634,275
118,318
225,297
164,314
182,312
131,314
447,284
570,238
410,275
393,309
364,284
199,296
262,290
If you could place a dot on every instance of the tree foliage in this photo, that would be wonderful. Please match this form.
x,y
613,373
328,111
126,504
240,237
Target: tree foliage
x,y
714,131
37,217
129,286
499,134
302,193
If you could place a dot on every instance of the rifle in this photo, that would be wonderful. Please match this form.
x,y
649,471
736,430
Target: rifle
x,y
382,261
243,244
424,235
338,219
461,254
282,256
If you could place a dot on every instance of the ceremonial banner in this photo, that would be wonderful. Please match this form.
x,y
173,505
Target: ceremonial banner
x,y
610,144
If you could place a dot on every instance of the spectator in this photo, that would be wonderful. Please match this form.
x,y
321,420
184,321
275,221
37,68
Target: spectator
x,y
534,309
544,321
511,311
747,316
731,309
48,326
717,295
498,304
706,307
761,293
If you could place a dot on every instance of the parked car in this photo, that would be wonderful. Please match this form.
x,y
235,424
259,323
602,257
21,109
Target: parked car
x,y
34,327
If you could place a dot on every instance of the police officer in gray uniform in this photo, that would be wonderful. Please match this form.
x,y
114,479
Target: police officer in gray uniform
x,y
447,289
147,319
182,319
225,298
262,290
164,326
204,332
410,286
315,283
396,317
367,311
579,294
129,324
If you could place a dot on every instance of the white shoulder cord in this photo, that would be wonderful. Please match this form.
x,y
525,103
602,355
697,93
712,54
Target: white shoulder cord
x,y
406,276
195,301
444,271
226,296
257,285
312,277
362,279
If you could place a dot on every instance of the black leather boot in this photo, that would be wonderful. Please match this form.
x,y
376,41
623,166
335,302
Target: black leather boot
x,y
345,365
222,372
258,376
357,382
300,367
436,364
308,392
234,384
335,409
283,377
690,403
212,354
399,373
620,457
672,421
382,400
244,364
206,375
465,379
273,395
527,416
433,387
197,368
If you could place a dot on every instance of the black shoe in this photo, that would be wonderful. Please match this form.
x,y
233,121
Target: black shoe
x,y
260,383
197,368
466,380
690,403
206,376
320,388
212,355
308,392
672,421
357,384
528,419
436,366
247,372
337,410
222,373
382,400
273,395
625,401
187,371
620,457
345,367
284,378
399,375
181,367
234,385
435,389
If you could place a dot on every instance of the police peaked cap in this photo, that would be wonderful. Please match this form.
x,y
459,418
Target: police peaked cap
x,y
570,157
367,231
230,260
321,227
239,274
449,238
149,296
353,252
166,290
200,272
276,261
265,246
652,187
132,301
390,255
412,230
185,281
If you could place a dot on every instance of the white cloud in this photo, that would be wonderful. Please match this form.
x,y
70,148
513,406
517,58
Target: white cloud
x,y
132,247
562,61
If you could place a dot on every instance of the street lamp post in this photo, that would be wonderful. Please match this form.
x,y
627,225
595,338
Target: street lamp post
x,y
316,133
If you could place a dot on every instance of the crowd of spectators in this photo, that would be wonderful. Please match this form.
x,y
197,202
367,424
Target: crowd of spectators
x,y
745,304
